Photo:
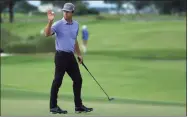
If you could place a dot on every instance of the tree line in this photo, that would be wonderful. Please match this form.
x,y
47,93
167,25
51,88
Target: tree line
x,y
165,6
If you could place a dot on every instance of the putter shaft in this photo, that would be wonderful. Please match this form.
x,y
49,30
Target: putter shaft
x,y
96,81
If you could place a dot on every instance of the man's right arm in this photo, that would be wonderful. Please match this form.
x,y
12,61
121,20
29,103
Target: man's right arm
x,y
48,31
50,16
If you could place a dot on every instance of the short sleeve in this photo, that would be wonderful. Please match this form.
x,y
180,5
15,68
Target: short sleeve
x,y
77,30
54,27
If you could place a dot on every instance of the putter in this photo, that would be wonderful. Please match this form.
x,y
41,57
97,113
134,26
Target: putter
x,y
109,99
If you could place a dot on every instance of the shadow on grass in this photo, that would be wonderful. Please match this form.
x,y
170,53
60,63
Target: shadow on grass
x,y
14,93
159,54
163,54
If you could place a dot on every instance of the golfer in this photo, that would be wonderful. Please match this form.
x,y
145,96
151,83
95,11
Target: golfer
x,y
66,32
85,36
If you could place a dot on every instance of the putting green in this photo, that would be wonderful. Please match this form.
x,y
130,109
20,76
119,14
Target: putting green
x,y
40,108
141,64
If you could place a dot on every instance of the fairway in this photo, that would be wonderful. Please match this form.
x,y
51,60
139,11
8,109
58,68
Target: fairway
x,y
40,108
141,89
141,64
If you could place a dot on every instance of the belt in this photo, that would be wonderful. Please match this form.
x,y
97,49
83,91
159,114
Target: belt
x,y
60,51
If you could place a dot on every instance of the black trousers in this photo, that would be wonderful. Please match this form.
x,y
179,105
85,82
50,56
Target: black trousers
x,y
66,62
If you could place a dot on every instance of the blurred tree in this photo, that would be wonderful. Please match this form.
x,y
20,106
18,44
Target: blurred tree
x,y
1,50
10,4
24,6
58,3
140,4
81,7
165,6
169,6
119,3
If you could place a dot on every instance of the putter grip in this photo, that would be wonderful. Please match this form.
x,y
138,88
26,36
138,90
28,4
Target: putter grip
x,y
79,59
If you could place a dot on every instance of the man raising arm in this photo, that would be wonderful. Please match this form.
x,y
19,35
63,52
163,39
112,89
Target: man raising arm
x,y
50,15
66,44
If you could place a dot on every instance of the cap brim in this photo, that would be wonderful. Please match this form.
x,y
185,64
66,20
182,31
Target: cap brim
x,y
65,10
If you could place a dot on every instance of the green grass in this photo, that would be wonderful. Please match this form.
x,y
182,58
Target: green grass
x,y
40,108
141,64
126,29
150,84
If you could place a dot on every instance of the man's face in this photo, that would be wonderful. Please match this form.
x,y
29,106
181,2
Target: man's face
x,y
67,14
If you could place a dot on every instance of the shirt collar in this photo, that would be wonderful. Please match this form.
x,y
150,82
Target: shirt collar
x,y
65,21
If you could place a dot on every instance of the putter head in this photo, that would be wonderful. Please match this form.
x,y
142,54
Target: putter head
x,y
110,99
